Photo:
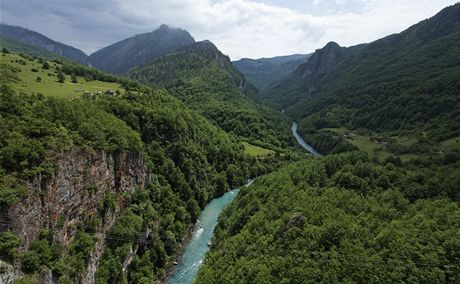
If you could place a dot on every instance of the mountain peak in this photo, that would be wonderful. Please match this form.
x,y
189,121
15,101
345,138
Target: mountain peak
x,y
332,44
208,44
322,61
140,49
164,27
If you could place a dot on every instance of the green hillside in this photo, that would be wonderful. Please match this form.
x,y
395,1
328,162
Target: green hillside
x,y
341,219
386,214
191,161
264,72
21,47
404,85
204,79
27,70
106,178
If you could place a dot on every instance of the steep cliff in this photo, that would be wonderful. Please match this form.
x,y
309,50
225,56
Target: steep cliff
x,y
63,202
303,80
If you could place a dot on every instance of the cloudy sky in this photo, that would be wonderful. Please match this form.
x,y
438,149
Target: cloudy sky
x,y
240,28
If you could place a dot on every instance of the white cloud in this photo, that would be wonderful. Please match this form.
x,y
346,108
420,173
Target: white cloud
x,y
240,28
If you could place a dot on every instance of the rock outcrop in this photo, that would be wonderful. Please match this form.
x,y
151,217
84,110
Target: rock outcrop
x,y
82,180
321,62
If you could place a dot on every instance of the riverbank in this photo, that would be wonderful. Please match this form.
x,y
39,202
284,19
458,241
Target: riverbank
x,y
302,142
193,253
170,269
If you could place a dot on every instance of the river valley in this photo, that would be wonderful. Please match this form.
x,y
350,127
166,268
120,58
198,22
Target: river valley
x,y
195,251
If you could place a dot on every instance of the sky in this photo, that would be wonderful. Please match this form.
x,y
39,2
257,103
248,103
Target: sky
x,y
239,28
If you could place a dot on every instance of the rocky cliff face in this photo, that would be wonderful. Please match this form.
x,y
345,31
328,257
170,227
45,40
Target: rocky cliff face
x,y
321,62
303,81
82,181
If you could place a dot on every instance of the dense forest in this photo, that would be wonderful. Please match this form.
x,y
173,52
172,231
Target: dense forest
x,y
350,217
402,85
382,205
190,160
204,79
342,219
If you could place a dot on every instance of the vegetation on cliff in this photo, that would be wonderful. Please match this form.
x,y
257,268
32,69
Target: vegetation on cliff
x,y
190,161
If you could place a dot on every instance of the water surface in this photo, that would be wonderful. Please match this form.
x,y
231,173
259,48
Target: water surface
x,y
195,251
302,142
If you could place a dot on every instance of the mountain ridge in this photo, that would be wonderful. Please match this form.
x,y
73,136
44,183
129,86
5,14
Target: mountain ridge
x,y
263,72
398,83
282,94
205,79
37,39
137,50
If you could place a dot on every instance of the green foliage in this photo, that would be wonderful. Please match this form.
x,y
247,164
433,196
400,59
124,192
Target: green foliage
x,y
9,244
11,190
33,125
9,74
190,160
60,76
78,255
18,75
46,65
204,79
340,219
326,141
30,261
17,46
403,84
25,280
41,253
73,78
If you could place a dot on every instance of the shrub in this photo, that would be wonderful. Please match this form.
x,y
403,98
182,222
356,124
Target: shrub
x,y
73,78
46,65
60,76
9,243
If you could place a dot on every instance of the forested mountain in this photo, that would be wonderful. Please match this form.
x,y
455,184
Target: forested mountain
x,y
353,218
32,38
303,80
205,79
103,176
263,72
137,50
341,219
404,83
127,171
21,47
